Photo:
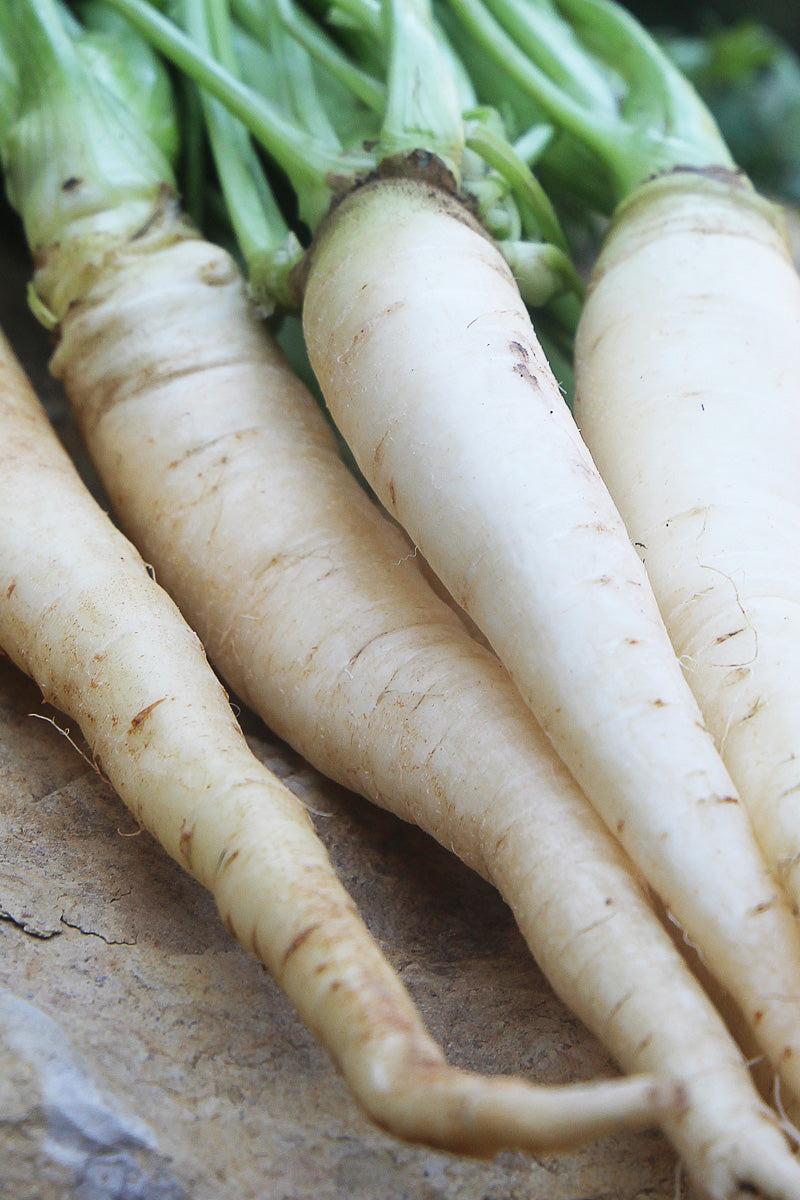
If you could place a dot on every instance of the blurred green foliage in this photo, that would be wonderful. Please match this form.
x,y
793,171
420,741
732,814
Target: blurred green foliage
x,y
781,16
745,63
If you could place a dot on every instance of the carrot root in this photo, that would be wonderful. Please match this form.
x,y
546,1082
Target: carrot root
x,y
313,606
80,613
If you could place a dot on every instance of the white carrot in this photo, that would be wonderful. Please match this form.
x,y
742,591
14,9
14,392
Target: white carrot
x,y
339,642
80,613
430,366
314,608
433,373
687,367
689,400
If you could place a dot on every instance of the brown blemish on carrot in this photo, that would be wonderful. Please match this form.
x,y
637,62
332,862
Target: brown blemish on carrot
x,y
728,176
218,272
501,841
367,329
380,452
765,906
144,713
185,840
392,495
723,637
419,170
643,1044
69,185
525,373
11,588
297,942
728,800
734,676
165,210
355,657
226,858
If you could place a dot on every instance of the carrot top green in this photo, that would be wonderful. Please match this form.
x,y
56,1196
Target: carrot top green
x,y
85,144
390,97
591,70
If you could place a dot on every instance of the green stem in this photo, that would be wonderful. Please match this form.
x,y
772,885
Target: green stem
x,y
564,109
192,169
545,39
268,248
304,157
423,110
623,44
533,143
538,215
366,15
656,124
79,167
370,91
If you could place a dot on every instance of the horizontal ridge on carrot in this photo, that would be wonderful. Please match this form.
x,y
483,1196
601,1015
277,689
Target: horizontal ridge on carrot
x,y
80,612
314,609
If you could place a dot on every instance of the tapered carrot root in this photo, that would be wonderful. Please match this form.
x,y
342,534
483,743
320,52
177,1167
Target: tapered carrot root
x,y
688,360
80,613
431,368
313,607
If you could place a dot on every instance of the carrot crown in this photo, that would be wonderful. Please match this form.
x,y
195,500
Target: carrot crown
x,y
368,87
85,143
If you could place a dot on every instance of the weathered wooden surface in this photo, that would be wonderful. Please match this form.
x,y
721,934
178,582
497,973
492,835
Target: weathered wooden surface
x,y
144,1056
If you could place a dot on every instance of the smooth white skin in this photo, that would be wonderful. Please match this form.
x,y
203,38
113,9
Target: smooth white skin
x,y
80,613
314,608
430,366
688,367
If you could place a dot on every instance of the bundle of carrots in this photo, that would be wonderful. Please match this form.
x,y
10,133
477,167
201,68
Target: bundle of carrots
x,y
602,672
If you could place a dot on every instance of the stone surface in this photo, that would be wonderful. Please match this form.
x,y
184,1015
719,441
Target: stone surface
x,y
144,1056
